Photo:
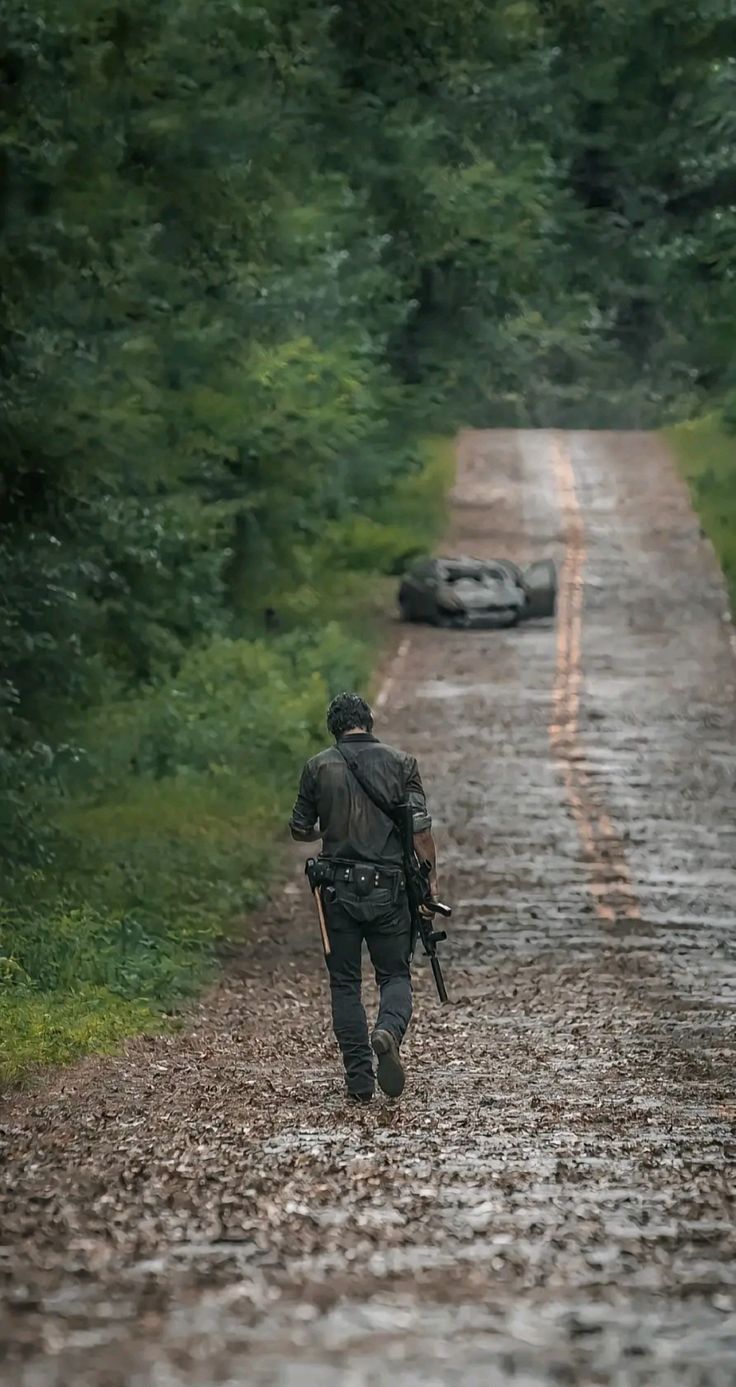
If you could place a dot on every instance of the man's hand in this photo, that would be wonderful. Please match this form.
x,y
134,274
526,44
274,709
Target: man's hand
x,y
426,851
305,835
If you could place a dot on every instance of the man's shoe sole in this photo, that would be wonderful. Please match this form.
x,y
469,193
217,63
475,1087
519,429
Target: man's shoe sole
x,y
390,1075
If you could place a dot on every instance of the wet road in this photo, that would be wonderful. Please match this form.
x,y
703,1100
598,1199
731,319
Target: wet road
x,y
553,1200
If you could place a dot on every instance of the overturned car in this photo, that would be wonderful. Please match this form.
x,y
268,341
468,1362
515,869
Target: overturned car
x,y
466,592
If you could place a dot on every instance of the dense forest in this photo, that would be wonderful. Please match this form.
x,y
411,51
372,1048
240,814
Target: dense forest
x,y
250,257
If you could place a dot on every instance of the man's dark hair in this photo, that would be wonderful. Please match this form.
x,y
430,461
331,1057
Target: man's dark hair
x,y
348,710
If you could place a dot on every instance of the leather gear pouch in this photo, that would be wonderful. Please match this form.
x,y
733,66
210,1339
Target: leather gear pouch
x,y
318,872
364,880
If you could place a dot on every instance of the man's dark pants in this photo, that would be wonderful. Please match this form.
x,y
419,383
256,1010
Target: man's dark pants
x,y
386,927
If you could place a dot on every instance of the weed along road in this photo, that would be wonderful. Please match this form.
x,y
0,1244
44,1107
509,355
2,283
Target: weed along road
x,y
553,1199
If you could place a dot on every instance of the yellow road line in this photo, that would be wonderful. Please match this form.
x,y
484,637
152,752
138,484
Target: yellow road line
x,y
610,884
388,683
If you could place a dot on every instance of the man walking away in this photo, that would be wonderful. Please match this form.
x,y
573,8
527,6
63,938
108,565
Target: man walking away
x,y
364,891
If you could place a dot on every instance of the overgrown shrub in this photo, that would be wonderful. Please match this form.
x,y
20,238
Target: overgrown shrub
x,y
706,451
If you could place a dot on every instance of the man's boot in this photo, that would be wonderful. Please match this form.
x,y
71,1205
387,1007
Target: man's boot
x,y
390,1074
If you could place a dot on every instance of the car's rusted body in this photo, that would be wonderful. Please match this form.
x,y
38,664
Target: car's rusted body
x,y
466,592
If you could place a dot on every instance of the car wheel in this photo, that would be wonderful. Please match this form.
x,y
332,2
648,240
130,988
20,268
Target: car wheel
x,y
406,612
540,585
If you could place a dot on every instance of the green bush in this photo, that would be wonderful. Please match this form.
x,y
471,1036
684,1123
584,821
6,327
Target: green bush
x,y
362,543
66,948
399,526
706,452
728,413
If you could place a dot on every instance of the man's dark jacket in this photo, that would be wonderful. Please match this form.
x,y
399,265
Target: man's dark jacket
x,y
350,826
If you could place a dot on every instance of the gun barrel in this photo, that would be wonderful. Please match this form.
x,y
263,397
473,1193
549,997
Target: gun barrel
x,y
439,980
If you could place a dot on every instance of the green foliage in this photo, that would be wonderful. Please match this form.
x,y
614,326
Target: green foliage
x,y
411,519
362,543
728,413
557,179
706,452
79,945
236,712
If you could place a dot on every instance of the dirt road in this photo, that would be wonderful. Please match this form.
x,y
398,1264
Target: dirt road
x,y
553,1201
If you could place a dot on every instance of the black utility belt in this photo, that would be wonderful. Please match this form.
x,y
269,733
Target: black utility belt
x,y
363,876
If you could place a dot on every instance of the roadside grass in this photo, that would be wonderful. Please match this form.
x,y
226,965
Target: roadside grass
x,y
172,825
706,454
55,1028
